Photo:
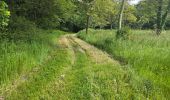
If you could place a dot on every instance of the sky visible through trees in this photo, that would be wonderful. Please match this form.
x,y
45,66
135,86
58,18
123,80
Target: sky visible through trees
x,y
134,1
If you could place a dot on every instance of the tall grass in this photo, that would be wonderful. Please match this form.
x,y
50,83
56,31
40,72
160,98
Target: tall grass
x,y
20,56
41,80
147,53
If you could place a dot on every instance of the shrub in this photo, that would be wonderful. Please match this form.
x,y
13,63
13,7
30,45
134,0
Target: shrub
x,y
48,23
123,33
4,15
20,29
21,24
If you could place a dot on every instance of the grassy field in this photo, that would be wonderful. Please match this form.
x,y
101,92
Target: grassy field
x,y
20,57
66,68
73,73
54,66
147,54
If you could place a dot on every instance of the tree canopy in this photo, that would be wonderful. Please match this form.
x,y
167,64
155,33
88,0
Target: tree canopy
x,y
74,15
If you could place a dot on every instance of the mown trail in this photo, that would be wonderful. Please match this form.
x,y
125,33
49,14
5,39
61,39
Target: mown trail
x,y
82,72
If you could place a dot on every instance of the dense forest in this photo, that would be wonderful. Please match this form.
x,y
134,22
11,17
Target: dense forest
x,y
74,15
47,46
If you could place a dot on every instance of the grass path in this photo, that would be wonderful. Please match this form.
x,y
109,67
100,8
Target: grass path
x,y
76,71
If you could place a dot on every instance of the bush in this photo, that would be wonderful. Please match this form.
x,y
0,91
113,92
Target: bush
x,y
123,33
47,23
4,15
21,24
20,29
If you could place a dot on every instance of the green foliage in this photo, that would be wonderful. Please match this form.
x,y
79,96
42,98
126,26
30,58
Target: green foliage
x,y
147,13
20,29
100,14
129,14
38,12
21,24
161,16
123,33
73,15
4,15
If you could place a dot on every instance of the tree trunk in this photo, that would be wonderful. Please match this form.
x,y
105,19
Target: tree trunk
x,y
111,26
121,15
111,22
10,5
159,17
164,17
87,23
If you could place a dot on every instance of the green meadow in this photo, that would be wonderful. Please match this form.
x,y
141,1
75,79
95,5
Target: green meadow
x,y
146,53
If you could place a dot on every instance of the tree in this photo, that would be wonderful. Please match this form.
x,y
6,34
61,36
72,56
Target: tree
x,y
121,15
37,11
153,14
103,11
161,16
120,32
112,14
129,14
87,9
4,15
145,13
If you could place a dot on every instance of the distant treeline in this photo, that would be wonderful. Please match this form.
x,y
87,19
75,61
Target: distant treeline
x,y
74,15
